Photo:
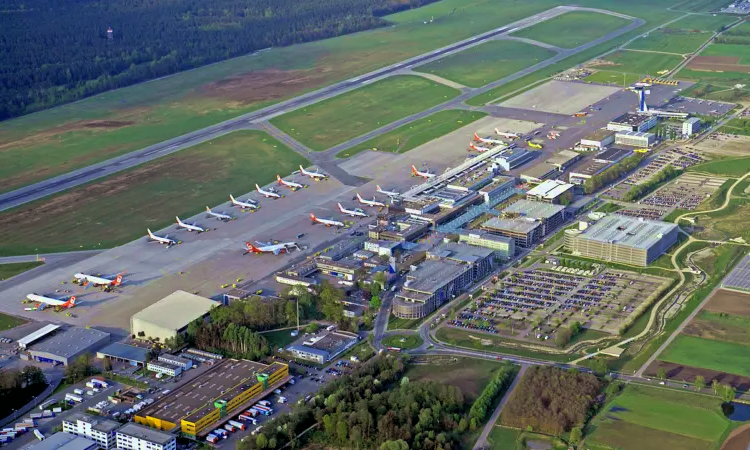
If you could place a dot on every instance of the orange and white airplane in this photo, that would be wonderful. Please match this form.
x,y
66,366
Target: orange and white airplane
x,y
478,148
56,302
99,281
166,240
507,135
313,175
487,140
356,212
267,247
243,205
384,192
267,194
290,184
372,202
189,226
326,222
417,173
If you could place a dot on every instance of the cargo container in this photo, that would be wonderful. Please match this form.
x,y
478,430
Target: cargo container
x,y
36,415
221,433
39,435
74,398
29,422
47,404
230,428
90,393
236,424
245,417
57,410
212,438
253,412
78,391
10,433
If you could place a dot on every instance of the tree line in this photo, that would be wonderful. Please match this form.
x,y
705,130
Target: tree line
x,y
614,173
641,190
18,387
58,51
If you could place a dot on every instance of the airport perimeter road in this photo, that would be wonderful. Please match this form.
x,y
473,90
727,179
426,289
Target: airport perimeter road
x,y
482,441
77,177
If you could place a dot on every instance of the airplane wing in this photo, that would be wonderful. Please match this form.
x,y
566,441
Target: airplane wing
x,y
263,244
276,251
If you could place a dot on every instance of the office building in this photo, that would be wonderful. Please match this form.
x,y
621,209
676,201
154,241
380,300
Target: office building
x,y
175,360
323,347
164,368
136,437
598,139
691,126
97,429
552,191
632,122
540,172
635,139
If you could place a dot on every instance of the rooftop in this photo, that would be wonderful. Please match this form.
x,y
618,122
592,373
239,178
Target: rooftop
x,y
536,210
63,441
146,433
634,133
518,225
513,154
481,234
70,342
124,351
176,310
631,119
462,252
332,342
638,233
540,171
97,423
592,168
614,154
470,178
432,274
36,335
550,189
563,157
739,277
174,358
497,182
599,135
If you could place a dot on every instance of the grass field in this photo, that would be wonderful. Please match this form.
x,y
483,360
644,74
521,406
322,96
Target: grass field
x,y
573,29
709,354
469,374
403,341
739,51
7,321
11,270
671,41
702,22
731,222
414,134
736,126
650,418
641,63
467,339
487,62
719,327
701,5
346,116
612,77
278,339
118,208
503,438
731,167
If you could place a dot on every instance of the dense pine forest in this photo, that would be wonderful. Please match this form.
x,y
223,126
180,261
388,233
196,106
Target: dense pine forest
x,y
58,51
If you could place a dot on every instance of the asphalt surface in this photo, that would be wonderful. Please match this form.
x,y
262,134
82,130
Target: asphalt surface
x,y
75,178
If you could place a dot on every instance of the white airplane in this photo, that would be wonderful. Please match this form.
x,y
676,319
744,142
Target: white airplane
x,y
68,303
243,205
356,212
99,281
384,192
189,226
372,202
478,148
268,194
162,240
487,140
267,247
326,222
313,175
289,184
504,134
417,173
218,215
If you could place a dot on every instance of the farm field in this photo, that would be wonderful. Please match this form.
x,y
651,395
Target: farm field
x,y
503,438
719,327
118,208
639,62
414,134
487,62
702,5
649,418
11,270
469,374
680,373
573,29
729,50
719,68
671,41
713,355
729,302
732,167
346,116
612,77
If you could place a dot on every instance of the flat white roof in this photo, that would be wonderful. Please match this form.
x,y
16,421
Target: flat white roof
x,y
176,310
38,334
550,189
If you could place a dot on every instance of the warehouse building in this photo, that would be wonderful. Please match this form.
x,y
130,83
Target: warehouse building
x,y
504,247
63,346
511,158
175,360
635,139
323,347
598,139
135,356
564,159
613,155
581,174
97,429
135,437
549,215
632,122
170,316
539,172
213,397
622,239
552,191
63,441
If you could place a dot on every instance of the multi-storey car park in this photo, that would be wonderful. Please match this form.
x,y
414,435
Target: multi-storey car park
x,y
212,398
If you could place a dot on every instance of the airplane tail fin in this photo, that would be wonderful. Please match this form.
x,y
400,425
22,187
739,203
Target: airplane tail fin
x,y
150,234
257,187
312,217
377,186
359,197
497,131
118,280
341,208
179,222
208,209
300,168
70,303
250,246
477,137
231,197
278,178
413,169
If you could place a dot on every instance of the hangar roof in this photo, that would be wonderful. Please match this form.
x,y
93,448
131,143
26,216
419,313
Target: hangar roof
x,y
176,310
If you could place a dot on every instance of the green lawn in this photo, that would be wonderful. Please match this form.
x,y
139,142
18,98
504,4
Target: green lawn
x,y
641,63
731,167
7,321
503,438
414,134
11,270
487,62
740,51
720,327
396,323
702,22
346,116
611,77
403,341
573,29
701,5
609,208
736,126
473,340
671,41
707,354
279,339
469,374
118,208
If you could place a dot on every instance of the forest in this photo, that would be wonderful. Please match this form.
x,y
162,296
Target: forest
x,y
59,51
18,387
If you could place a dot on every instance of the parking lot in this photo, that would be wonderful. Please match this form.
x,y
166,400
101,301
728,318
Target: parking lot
x,y
686,192
644,213
698,106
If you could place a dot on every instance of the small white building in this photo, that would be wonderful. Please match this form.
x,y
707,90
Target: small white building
x,y
690,126
99,430
175,360
635,138
137,437
164,368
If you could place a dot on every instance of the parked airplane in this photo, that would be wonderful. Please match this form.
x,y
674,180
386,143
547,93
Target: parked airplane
x,y
488,140
356,212
249,204
267,247
68,303
162,240
477,148
268,194
189,226
384,192
372,202
313,175
326,222
221,216
289,184
417,173
98,281
504,134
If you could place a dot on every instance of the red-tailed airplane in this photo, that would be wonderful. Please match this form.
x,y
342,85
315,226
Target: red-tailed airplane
x,y
477,148
507,135
290,184
487,140
326,222
56,302
267,247
417,173
99,281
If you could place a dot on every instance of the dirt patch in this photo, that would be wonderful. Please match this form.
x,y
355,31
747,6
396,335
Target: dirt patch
x,y
678,373
716,60
107,124
738,439
263,85
718,64
729,302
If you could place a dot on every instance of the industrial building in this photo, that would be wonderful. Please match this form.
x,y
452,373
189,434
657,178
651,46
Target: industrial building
x,y
593,168
563,159
63,441
539,172
323,347
552,191
135,437
632,122
622,239
549,215
343,268
448,270
175,360
211,398
613,155
635,139
398,228
497,188
598,139
524,231
117,351
690,126
504,247
511,158
170,316
97,429
164,368
55,345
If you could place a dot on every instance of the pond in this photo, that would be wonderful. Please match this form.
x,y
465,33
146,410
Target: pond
x,y
738,412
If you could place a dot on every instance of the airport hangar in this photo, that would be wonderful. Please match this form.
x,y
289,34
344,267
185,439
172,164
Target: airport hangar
x,y
57,345
214,397
170,316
